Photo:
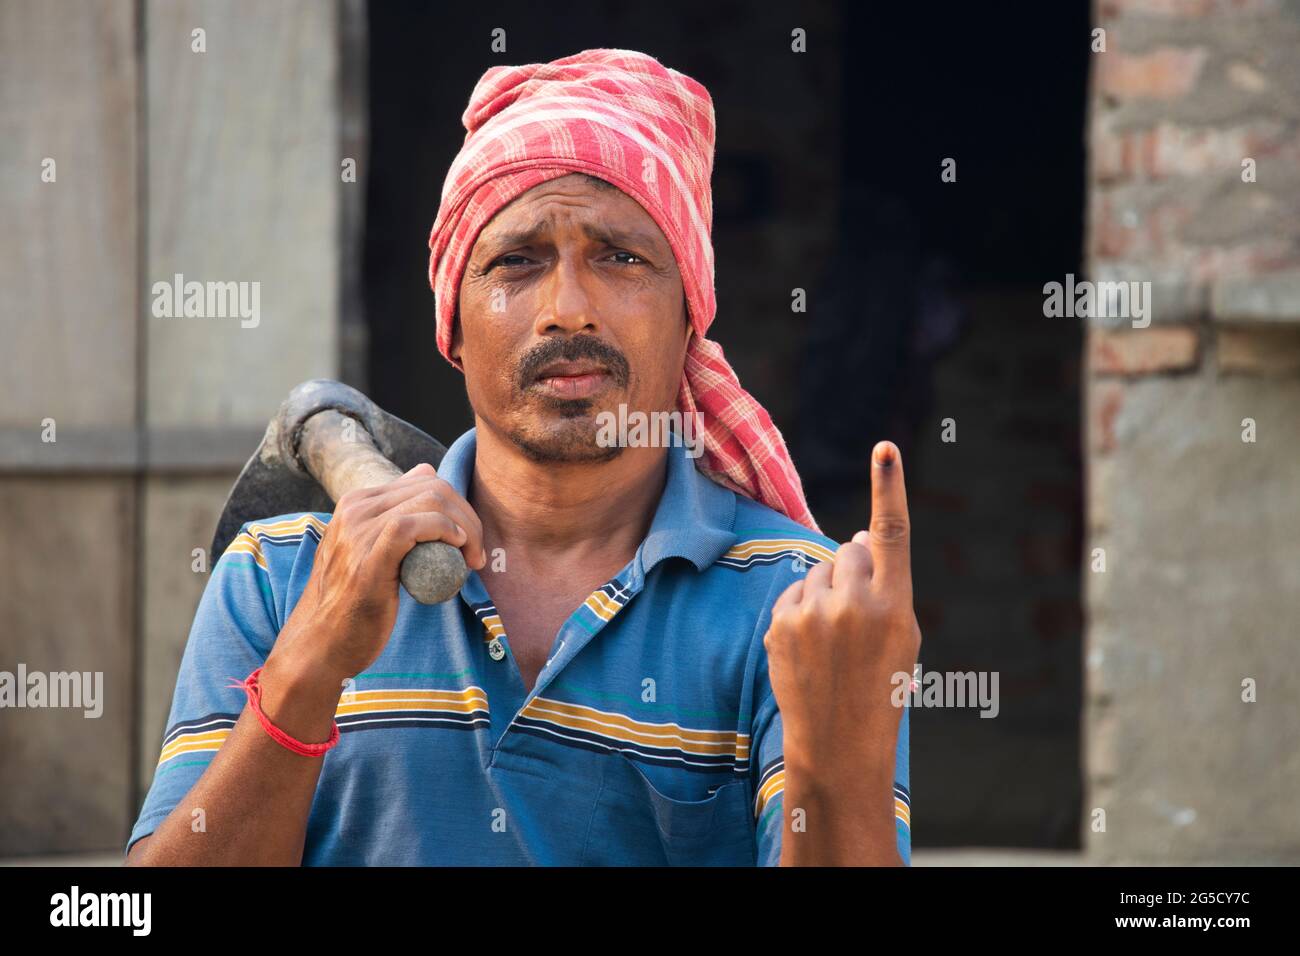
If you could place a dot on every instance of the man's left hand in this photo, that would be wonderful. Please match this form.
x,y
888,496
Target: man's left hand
x,y
838,642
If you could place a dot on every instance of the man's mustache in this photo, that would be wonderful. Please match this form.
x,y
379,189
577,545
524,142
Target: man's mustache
x,y
571,350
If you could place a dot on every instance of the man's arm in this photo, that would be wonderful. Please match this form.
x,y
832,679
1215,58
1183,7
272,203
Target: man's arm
x,y
813,825
842,821
837,641
255,795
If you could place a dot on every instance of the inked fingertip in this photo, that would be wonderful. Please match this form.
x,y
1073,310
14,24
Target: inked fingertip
x,y
885,454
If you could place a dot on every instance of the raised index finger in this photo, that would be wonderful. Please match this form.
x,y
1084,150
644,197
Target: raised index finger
x,y
891,530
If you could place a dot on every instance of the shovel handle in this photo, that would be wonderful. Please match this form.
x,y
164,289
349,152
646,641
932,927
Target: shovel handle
x,y
341,455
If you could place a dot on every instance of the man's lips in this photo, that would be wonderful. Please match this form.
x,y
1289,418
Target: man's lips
x,y
572,379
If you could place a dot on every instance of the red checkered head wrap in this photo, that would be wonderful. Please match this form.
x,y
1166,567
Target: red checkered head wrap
x,y
625,118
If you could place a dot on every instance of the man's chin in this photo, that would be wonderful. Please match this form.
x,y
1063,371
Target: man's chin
x,y
568,435
567,409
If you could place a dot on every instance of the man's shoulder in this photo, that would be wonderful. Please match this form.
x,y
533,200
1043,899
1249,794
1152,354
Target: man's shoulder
x,y
275,544
767,539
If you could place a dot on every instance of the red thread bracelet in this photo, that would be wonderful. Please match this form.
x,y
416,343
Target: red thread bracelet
x,y
254,690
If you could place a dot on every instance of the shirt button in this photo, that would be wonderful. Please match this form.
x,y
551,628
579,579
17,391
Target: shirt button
x,y
496,650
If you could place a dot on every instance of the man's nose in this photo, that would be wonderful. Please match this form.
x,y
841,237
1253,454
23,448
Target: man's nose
x,y
567,301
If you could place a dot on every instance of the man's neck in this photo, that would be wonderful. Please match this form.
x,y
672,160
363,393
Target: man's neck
x,y
543,509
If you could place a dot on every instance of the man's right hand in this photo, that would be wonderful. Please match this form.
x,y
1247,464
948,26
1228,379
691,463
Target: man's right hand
x,y
349,607
256,795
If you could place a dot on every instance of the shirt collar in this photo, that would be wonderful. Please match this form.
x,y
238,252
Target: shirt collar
x,y
457,465
693,520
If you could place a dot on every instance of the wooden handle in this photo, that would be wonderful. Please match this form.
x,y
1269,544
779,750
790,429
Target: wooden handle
x,y
339,453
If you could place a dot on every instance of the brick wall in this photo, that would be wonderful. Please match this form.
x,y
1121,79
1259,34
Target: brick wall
x,y
1193,434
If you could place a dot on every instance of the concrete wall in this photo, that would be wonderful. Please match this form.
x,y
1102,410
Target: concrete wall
x,y
1198,518
221,165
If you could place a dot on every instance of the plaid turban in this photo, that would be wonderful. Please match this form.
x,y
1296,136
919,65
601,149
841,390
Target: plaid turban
x,y
625,118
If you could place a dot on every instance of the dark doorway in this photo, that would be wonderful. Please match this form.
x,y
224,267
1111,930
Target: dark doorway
x,y
924,303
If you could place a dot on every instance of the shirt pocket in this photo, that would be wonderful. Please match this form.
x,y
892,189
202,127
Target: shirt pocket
x,y
635,823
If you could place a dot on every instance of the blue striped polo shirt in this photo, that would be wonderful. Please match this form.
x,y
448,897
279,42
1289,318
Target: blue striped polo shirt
x,y
652,736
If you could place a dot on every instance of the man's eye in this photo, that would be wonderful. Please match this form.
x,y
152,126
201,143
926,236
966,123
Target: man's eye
x,y
630,255
506,260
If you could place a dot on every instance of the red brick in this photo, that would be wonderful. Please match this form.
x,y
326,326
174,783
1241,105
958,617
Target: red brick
x,y
1169,150
1259,350
1105,401
1185,8
1121,156
1148,237
1142,351
1163,74
1153,240
1259,257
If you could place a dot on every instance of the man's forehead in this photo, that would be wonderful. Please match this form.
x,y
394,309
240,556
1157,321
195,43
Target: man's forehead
x,y
602,211
574,190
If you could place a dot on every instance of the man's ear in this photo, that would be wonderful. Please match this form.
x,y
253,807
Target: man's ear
x,y
457,341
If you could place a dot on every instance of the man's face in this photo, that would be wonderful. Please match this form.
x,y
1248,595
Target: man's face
x,y
571,304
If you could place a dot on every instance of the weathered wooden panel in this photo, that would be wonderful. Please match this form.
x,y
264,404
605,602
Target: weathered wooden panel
x,y
68,249
67,605
179,516
244,182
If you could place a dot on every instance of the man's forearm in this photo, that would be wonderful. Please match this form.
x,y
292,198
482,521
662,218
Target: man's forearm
x,y
256,795
839,818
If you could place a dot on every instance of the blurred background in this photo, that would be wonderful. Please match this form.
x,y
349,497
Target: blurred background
x,y
1106,516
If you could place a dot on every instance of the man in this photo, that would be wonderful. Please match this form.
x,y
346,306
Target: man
x,y
656,658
